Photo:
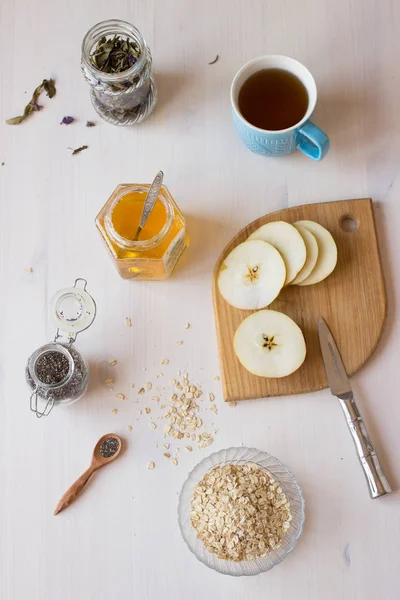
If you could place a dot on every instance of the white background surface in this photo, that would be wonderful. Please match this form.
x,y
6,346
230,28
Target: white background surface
x,y
121,539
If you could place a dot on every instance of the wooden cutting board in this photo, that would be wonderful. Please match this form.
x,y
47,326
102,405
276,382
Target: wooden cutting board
x,y
352,301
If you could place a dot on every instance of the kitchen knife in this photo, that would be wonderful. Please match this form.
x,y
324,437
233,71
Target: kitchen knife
x,y
340,387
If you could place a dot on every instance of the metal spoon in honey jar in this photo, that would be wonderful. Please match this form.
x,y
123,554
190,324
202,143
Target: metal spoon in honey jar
x,y
149,202
106,450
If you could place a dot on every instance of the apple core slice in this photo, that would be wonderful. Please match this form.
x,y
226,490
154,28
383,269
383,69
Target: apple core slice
x,y
327,253
288,241
270,344
312,254
252,275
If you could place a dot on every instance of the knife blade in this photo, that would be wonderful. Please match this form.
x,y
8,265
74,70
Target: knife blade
x,y
335,371
340,387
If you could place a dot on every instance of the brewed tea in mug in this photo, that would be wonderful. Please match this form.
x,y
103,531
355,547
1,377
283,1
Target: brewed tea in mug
x,y
273,99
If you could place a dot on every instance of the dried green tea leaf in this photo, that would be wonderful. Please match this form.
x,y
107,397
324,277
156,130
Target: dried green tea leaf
x,y
33,106
114,55
49,87
16,120
77,150
90,124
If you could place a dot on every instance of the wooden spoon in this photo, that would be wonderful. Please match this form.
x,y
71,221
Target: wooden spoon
x,y
98,461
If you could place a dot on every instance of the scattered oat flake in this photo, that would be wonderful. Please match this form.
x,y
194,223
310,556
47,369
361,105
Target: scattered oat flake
x,y
153,425
147,410
214,408
164,361
149,385
29,270
216,378
128,322
188,448
211,397
166,446
232,404
179,342
130,427
141,391
112,363
155,398
120,396
167,455
151,465
174,461
114,411
132,385
108,381
187,325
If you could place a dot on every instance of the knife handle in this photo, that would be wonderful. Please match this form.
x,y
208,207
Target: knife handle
x,y
378,485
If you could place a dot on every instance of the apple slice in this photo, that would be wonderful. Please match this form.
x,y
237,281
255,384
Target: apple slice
x,y
269,344
327,252
252,275
312,254
288,241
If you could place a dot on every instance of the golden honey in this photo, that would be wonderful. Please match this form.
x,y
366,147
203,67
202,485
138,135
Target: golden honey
x,y
156,252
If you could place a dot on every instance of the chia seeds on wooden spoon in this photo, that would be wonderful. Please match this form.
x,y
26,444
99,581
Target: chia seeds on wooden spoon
x,y
109,447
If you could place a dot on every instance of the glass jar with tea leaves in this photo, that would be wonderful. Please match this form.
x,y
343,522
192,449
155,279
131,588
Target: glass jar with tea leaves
x,y
155,251
57,373
116,62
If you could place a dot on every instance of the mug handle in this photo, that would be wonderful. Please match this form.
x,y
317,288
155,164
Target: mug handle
x,y
312,141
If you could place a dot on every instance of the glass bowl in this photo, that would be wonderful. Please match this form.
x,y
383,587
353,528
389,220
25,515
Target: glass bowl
x,y
242,456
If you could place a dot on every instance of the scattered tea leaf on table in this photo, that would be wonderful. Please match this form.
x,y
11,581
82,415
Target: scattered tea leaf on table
x,y
33,106
67,120
90,124
49,87
77,150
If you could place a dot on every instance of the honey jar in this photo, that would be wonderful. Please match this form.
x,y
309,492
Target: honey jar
x,y
157,250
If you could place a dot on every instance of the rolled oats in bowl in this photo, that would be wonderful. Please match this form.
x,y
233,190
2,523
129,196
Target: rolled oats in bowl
x,y
241,511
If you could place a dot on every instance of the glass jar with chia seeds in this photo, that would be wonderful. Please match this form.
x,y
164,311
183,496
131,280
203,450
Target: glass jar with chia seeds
x,y
57,373
117,63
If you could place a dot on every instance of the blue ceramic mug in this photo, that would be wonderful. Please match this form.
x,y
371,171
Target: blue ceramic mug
x,y
303,136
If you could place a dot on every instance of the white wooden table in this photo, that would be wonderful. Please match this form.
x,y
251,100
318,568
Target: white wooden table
x,y
121,539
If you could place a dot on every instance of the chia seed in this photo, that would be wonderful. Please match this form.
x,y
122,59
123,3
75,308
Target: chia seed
x,y
109,447
52,367
74,386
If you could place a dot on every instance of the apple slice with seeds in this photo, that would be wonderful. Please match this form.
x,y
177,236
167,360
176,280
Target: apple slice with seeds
x,y
270,344
252,275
